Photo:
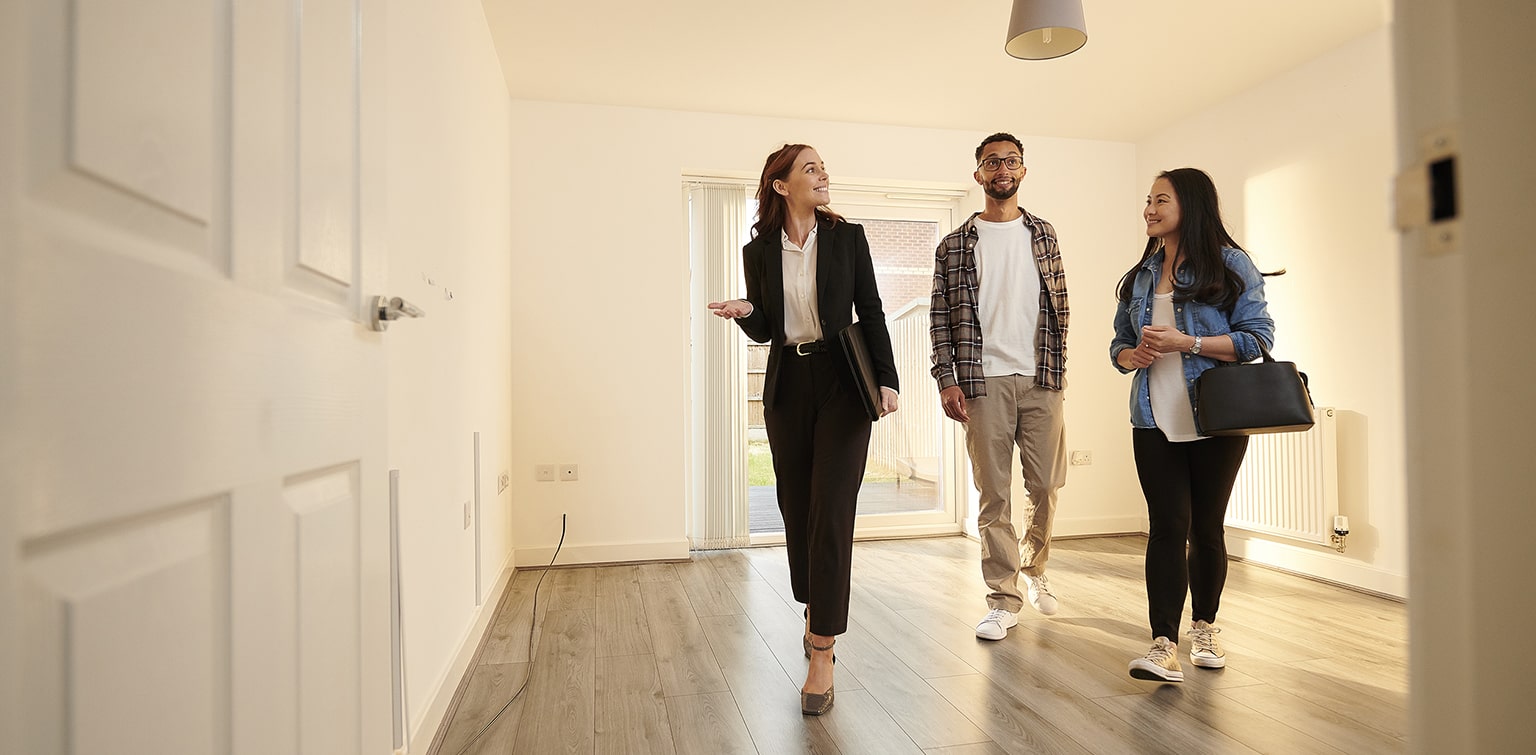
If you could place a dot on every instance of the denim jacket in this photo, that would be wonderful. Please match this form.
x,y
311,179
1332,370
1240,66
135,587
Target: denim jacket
x,y
1248,322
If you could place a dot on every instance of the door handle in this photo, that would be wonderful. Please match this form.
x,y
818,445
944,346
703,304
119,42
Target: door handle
x,y
387,308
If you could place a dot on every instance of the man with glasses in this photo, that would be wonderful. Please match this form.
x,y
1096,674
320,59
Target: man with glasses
x,y
998,322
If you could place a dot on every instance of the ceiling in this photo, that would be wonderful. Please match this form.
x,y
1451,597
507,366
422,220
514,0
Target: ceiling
x,y
926,63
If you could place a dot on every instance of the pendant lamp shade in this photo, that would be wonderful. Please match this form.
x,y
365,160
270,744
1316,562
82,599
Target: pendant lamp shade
x,y
1045,29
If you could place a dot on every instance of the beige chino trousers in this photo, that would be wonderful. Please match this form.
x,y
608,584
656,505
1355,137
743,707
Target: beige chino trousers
x,y
1015,413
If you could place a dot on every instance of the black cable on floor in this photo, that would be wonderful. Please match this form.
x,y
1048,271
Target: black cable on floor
x,y
531,627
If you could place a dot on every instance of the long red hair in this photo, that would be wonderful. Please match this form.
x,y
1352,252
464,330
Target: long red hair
x,y
771,205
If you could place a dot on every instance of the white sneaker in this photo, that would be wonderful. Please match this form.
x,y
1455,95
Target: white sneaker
x,y
1204,651
995,625
1040,595
1160,664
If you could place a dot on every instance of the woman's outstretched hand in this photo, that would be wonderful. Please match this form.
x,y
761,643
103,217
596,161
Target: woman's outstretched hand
x,y
732,309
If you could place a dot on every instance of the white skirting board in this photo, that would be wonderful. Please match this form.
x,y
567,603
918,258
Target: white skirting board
x,y
424,727
604,553
1097,526
1305,561
1317,563
1296,558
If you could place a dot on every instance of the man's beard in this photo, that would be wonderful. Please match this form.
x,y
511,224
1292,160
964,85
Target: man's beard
x,y
1006,194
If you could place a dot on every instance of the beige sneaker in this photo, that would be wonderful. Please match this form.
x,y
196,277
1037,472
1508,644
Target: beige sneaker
x,y
1160,664
1204,651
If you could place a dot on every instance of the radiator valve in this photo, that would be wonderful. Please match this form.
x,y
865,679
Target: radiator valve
x,y
1340,531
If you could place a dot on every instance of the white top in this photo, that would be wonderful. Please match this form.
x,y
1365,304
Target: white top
x,y
801,320
1008,297
1165,382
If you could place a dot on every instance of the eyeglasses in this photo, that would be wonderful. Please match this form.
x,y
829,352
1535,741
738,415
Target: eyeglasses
x,y
1014,162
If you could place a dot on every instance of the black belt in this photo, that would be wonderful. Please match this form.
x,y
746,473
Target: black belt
x,y
807,348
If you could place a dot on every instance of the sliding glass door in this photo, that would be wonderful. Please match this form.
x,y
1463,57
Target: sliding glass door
x,y
911,473
915,475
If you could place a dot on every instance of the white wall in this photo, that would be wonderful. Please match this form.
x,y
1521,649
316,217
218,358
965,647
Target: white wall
x,y
1470,407
601,305
448,183
1303,163
601,302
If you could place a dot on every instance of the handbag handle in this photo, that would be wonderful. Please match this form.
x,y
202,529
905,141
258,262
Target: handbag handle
x,y
1267,357
1262,348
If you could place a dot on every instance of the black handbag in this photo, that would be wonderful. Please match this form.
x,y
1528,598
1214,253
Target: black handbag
x,y
1257,397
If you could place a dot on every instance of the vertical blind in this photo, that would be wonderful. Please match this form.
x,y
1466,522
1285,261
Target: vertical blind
x,y
718,518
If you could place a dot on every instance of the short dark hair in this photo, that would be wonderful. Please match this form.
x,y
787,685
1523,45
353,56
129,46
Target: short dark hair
x,y
1001,136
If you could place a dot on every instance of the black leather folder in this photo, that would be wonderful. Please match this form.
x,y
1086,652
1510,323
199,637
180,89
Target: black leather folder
x,y
856,350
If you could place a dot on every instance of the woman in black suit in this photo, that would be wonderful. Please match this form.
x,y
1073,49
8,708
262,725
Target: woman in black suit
x,y
808,270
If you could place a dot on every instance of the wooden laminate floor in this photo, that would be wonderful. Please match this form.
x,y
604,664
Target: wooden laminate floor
x,y
705,657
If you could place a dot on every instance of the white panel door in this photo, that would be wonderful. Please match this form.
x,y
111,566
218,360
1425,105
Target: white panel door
x,y
193,504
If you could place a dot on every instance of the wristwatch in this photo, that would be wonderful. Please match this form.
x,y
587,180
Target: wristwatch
x,y
1196,348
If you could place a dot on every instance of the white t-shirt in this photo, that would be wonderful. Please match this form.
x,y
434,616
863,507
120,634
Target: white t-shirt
x,y
1165,382
1008,296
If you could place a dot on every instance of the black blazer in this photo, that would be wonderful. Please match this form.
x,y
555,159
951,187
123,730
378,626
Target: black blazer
x,y
845,282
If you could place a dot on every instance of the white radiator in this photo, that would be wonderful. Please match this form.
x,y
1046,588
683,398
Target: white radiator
x,y
1289,483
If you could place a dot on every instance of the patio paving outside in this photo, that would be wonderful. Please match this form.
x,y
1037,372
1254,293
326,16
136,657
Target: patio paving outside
x,y
874,498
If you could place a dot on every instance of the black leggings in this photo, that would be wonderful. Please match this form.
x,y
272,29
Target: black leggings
x,y
1187,486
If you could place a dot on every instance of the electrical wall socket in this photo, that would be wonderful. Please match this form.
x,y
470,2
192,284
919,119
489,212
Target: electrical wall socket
x,y
503,481
544,472
468,515
567,472
1082,458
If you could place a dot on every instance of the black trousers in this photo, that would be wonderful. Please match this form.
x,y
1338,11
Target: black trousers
x,y
1187,487
819,435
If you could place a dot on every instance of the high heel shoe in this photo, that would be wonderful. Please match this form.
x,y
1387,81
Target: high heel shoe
x,y
812,703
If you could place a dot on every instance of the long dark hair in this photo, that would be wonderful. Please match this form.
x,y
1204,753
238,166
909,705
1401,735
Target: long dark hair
x,y
1201,238
771,206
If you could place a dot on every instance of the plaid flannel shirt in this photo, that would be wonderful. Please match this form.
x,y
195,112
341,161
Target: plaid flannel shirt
x,y
953,324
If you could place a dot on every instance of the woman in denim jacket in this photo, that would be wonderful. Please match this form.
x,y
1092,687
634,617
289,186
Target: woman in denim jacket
x,y
1194,300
